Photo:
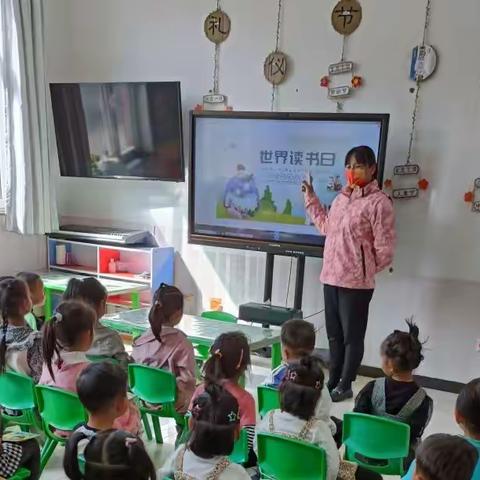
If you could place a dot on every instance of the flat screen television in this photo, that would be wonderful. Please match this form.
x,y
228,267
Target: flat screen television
x,y
119,130
247,168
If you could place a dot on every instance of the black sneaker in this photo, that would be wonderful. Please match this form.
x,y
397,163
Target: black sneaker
x,y
339,394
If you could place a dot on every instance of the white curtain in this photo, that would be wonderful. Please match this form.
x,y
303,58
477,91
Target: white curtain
x,y
26,155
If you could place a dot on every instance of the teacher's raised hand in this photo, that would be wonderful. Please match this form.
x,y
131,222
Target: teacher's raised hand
x,y
307,186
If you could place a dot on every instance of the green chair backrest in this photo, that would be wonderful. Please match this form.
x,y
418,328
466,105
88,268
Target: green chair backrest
x,y
275,454
222,316
268,399
20,474
376,443
240,449
58,408
16,391
152,385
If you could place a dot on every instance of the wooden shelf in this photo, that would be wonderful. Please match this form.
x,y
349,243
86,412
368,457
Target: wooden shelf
x,y
76,269
129,277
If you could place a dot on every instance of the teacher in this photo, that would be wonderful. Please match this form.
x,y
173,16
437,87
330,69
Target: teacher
x,y
360,241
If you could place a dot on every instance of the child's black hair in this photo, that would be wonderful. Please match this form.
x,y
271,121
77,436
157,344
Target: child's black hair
x,y
30,278
468,406
298,336
100,384
446,457
109,455
229,358
404,348
89,289
363,155
167,300
62,331
302,387
13,292
215,417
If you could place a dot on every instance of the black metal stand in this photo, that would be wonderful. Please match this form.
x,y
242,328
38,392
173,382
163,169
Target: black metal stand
x,y
268,287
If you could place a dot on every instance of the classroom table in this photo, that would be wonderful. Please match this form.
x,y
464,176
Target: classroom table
x,y
201,331
56,282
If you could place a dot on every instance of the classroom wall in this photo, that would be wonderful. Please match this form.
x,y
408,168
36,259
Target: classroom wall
x,y
20,252
437,268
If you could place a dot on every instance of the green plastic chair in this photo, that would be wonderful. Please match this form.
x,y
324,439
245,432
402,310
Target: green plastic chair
x,y
376,443
268,399
276,451
240,449
20,474
17,393
159,387
59,410
222,316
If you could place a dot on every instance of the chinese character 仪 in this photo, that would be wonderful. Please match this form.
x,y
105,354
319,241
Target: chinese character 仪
x,y
296,158
327,159
277,65
281,155
266,156
313,157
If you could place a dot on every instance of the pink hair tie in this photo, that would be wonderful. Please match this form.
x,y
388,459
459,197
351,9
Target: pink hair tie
x,y
218,353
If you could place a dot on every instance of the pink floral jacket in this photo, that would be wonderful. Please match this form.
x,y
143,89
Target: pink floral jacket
x,y
360,235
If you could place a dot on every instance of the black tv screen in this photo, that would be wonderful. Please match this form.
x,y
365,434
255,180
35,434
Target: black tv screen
x,y
119,130
247,169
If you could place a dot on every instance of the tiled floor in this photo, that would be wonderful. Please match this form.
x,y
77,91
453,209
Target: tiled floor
x,y
442,421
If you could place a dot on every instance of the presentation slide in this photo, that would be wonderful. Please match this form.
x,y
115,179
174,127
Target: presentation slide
x,y
248,174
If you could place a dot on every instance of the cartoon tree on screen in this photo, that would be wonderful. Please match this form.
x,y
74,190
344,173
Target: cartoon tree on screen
x,y
288,208
266,202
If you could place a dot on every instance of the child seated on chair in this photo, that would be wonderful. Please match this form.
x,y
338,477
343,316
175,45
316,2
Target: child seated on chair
x,y
397,396
106,342
20,346
110,454
15,455
167,347
228,361
445,457
215,426
66,339
300,390
37,294
298,340
102,389
467,415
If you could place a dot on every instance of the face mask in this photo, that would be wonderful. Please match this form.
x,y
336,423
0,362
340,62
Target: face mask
x,y
352,180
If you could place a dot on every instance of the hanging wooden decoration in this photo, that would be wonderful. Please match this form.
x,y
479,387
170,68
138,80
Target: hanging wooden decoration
x,y
472,197
275,66
424,60
217,27
346,16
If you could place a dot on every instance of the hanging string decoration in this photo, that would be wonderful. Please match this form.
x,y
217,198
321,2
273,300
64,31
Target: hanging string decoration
x,y
217,28
472,197
423,64
275,66
346,18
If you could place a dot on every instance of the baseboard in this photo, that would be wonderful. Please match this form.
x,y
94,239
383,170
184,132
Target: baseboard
x,y
426,382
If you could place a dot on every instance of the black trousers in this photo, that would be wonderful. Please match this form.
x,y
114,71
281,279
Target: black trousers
x,y
346,318
31,458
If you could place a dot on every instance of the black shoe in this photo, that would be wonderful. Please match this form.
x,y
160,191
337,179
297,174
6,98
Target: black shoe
x,y
331,386
339,394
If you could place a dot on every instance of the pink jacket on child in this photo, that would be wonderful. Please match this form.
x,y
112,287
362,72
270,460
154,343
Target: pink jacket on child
x,y
66,373
360,235
175,353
